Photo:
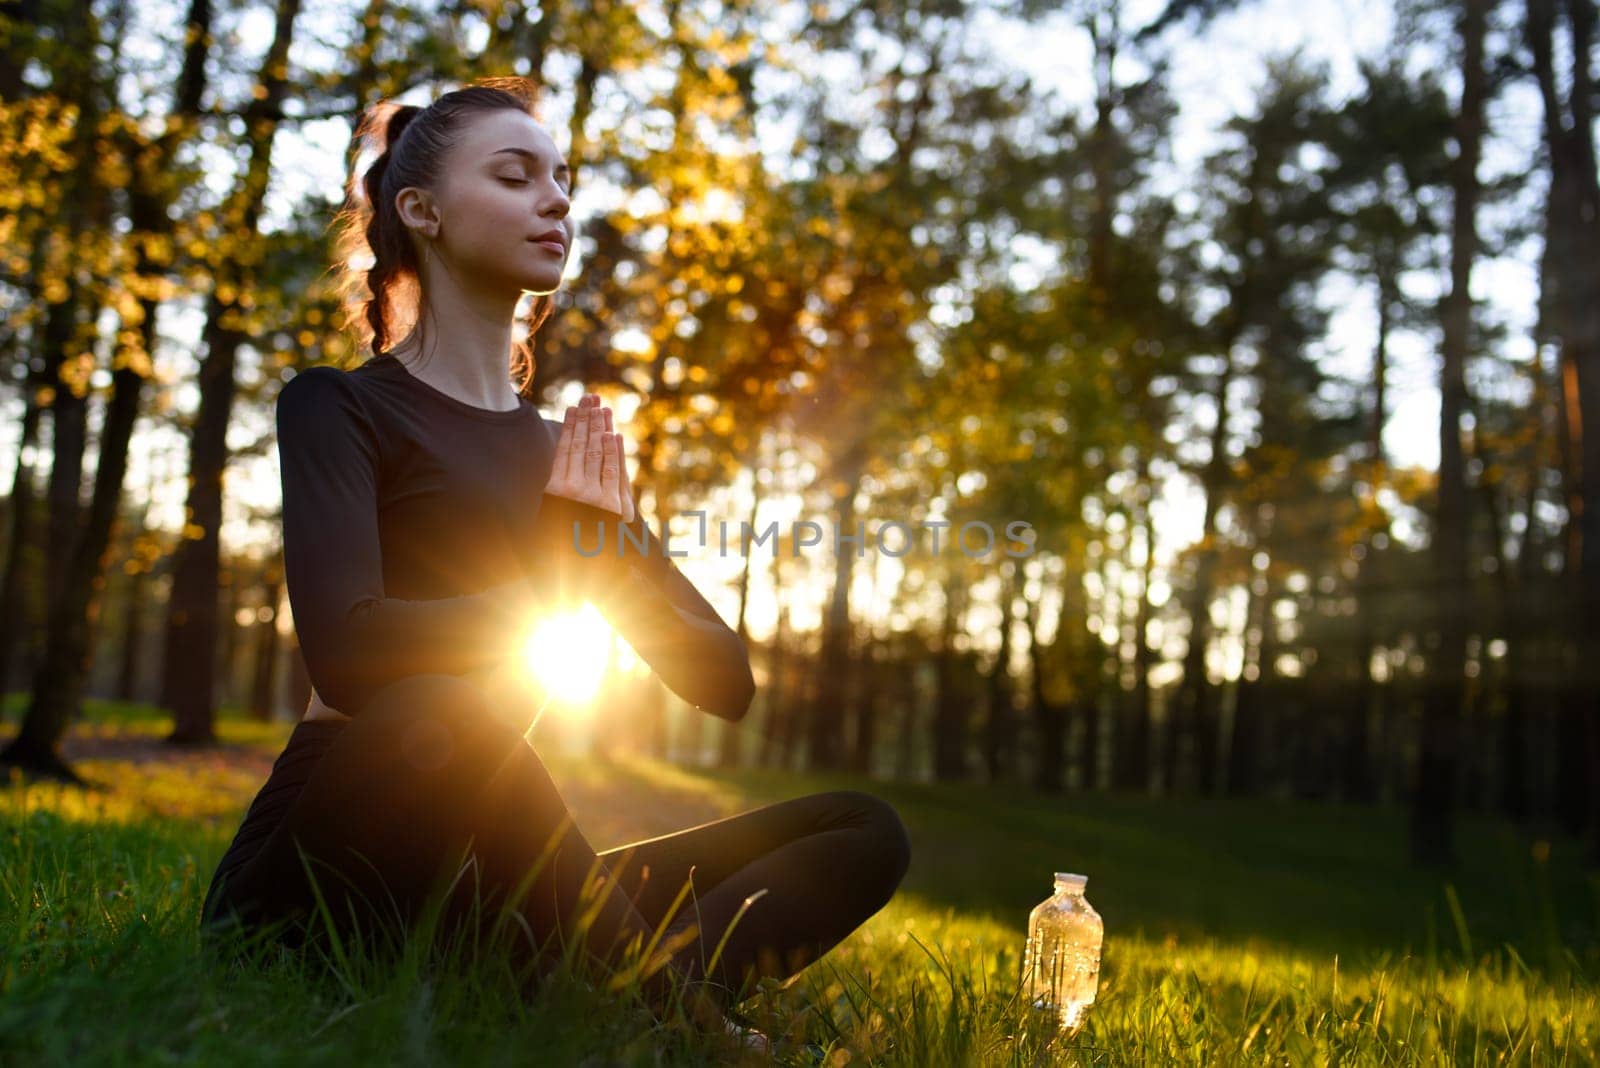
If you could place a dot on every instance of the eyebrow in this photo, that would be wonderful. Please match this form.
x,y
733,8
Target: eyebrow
x,y
560,167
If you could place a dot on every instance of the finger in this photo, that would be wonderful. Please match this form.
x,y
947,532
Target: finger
x,y
593,448
621,455
609,426
561,468
609,471
626,484
581,424
612,478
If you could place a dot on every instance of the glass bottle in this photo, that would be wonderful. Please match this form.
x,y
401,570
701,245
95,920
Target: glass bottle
x,y
1061,962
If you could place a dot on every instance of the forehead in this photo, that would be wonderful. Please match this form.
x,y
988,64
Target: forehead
x,y
505,128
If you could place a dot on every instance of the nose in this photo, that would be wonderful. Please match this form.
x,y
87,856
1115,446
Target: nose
x,y
557,206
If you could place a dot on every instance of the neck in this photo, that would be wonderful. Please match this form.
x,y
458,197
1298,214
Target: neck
x,y
476,364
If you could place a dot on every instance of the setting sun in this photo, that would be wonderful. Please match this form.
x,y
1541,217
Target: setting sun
x,y
569,654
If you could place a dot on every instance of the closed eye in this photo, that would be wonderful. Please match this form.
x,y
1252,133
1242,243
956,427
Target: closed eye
x,y
522,181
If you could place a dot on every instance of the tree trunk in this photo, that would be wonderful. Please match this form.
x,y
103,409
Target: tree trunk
x,y
904,681
1573,285
264,678
776,730
68,357
1246,741
1190,709
1142,660
729,751
59,679
1084,706
1049,718
950,715
1520,627
826,726
69,415
868,695
1439,755
998,726
191,639
22,560
131,645
1359,783
230,632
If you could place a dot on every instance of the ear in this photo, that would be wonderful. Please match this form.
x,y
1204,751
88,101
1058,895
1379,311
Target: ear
x,y
418,210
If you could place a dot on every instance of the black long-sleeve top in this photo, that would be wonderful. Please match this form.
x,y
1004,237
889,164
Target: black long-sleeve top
x,y
417,538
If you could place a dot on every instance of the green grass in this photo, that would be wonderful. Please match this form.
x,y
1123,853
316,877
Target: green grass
x,y
1236,933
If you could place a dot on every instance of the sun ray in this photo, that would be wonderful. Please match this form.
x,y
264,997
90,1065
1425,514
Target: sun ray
x,y
569,654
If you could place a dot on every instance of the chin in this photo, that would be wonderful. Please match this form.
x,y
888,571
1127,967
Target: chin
x,y
543,281
541,287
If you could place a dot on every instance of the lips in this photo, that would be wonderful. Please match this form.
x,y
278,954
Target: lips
x,y
554,242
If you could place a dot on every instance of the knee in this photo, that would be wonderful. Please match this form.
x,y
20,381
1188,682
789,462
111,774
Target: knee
x,y
890,840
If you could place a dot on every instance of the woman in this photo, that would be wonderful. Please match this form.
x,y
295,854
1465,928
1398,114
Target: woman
x,y
429,511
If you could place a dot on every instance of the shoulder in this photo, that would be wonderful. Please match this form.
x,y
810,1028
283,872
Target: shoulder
x,y
321,398
319,380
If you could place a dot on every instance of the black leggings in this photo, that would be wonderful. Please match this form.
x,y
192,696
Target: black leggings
x,y
427,777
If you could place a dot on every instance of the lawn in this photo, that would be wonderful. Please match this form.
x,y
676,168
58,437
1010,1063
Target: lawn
x,y
1236,932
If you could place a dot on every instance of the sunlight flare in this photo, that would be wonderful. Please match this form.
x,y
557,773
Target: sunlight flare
x,y
569,654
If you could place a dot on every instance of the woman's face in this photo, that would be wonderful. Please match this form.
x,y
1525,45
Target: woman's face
x,y
503,209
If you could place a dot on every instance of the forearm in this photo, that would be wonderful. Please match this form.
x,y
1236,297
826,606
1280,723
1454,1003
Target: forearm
x,y
382,639
700,659
353,651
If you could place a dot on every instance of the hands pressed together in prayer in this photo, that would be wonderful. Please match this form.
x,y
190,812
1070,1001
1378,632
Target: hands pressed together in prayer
x,y
591,464
589,467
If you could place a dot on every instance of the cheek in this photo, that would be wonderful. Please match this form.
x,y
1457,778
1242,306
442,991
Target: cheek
x,y
494,225
508,212
488,213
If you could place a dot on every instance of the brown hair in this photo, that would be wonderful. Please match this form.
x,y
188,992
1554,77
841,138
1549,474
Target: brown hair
x,y
380,280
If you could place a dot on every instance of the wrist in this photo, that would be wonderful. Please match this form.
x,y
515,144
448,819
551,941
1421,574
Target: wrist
x,y
587,539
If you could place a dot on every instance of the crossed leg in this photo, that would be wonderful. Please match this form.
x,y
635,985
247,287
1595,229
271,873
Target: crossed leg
x,y
812,869
426,775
